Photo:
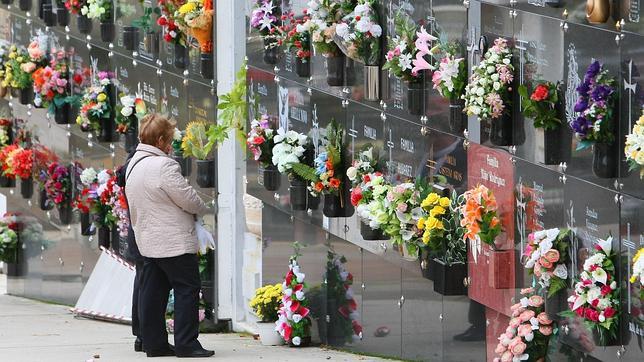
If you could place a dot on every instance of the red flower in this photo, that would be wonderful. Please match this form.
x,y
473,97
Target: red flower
x,y
78,79
540,93
334,183
319,186
357,328
594,303
606,290
366,178
162,21
287,332
167,38
580,311
609,312
356,196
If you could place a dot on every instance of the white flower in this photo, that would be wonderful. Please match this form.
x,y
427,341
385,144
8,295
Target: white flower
x,y
561,271
297,318
88,176
613,285
352,173
404,61
342,30
299,295
177,135
376,30
599,275
126,111
602,318
288,292
299,277
296,341
103,177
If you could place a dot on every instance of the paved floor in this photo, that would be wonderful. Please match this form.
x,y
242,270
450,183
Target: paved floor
x,y
32,331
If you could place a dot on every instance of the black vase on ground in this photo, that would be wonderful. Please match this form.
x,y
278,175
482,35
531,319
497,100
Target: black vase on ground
x,y
27,95
104,233
271,52
269,177
457,119
62,14
449,279
604,339
65,214
184,163
416,97
371,234
335,70
556,304
26,188
207,65
131,139
84,24
43,201
180,56
298,194
605,160
61,113
7,182
86,224
303,67
48,15
502,130
25,5
108,130
130,38
108,31
206,173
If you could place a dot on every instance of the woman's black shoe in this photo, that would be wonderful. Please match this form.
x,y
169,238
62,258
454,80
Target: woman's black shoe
x,y
197,353
165,352
138,345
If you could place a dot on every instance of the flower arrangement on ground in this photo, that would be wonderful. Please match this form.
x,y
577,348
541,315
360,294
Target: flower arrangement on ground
x,y
487,95
402,204
529,332
267,302
293,321
260,140
265,18
8,240
546,256
344,313
479,216
95,104
360,33
541,104
450,77
167,21
98,9
403,49
597,93
297,36
325,15
290,148
634,148
441,228
595,298
195,18
58,184
130,111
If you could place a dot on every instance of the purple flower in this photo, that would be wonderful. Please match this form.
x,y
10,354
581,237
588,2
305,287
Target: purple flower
x,y
593,69
601,92
583,88
582,105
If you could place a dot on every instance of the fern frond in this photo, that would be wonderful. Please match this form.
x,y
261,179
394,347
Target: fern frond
x,y
306,172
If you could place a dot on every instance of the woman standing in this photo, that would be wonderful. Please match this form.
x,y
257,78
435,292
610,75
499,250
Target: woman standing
x,y
163,211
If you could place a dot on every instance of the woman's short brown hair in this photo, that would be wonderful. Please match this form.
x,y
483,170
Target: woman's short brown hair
x,y
156,129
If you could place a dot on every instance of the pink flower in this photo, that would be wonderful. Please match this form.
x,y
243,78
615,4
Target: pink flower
x,y
505,75
28,67
436,79
536,301
515,322
506,357
526,315
525,329
494,100
390,55
34,51
527,291
545,330
543,318
518,348
402,207
202,315
500,348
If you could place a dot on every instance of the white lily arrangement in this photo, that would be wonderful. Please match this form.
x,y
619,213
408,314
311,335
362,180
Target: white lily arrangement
x,y
289,149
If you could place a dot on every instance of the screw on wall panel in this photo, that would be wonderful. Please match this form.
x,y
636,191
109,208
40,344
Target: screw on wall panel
x,y
512,150
328,318
134,63
621,351
292,218
424,119
29,203
616,199
362,286
621,199
566,329
562,179
309,91
346,90
617,39
309,212
346,228
383,116
425,131
276,79
467,281
276,196
402,299
82,266
466,3
440,316
618,26
616,184
276,69
383,246
345,103
563,166
487,322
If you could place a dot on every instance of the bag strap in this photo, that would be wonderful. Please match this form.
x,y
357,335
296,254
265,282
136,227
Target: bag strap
x,y
133,166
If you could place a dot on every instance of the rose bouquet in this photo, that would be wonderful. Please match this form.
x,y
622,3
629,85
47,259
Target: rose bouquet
x,y
195,18
402,203
260,140
325,15
95,108
8,240
359,33
293,321
487,95
634,148
58,184
479,217
290,147
597,93
541,104
168,22
529,333
267,302
596,295
21,65
546,256
130,111
344,308
441,227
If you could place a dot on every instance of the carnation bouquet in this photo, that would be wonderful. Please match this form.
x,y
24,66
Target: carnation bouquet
x,y
58,184
130,111
95,104
479,217
265,18
260,140
487,95
407,50
597,94
441,227
293,321
290,148
195,18
325,15
98,9
529,332
359,33
546,256
267,302
634,148
8,240
168,22
402,204
344,314
595,298
541,104
297,36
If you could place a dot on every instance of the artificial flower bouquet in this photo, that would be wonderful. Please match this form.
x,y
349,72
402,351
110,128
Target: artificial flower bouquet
x,y
546,256
637,273
95,196
195,18
5,131
402,204
21,64
265,19
634,148
359,33
8,240
130,110
325,16
479,217
51,85
529,332
103,10
75,6
6,157
293,322
342,306
449,77
441,228
95,106
260,140
290,147
267,302
487,95
297,38
541,104
368,189
595,298
58,184
195,142
167,21
21,162
403,50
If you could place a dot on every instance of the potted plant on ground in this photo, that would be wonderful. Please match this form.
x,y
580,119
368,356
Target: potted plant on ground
x,y
177,153
97,108
197,144
449,79
83,22
260,142
293,322
296,36
265,304
594,125
367,190
195,18
130,111
59,190
264,18
343,325
293,148
103,10
634,148
171,32
360,39
488,94
53,89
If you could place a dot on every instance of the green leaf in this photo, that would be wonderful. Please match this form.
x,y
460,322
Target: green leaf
x,y
306,172
583,144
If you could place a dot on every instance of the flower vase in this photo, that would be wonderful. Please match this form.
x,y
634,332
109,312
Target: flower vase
x,y
180,56
104,233
206,173
108,130
7,2
556,304
449,279
43,201
603,338
25,5
130,38
335,70
7,182
416,97
298,194
131,139
501,130
597,11
457,119
605,160
303,67
185,164
86,224
269,177
27,188
337,205
151,43
61,113
556,146
368,233
371,78
426,264
27,95
108,31
271,52
207,62
312,202
268,336
65,214
62,14
84,24
48,15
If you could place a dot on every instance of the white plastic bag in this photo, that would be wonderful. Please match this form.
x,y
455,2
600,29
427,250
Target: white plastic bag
x,y
206,241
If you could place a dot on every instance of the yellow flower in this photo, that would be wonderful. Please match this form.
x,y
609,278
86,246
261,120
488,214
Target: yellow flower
x,y
187,7
430,200
12,55
434,223
436,211
421,224
101,97
426,235
444,201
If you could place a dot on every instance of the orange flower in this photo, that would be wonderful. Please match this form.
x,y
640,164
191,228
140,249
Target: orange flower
x,y
334,182
494,222
319,186
472,210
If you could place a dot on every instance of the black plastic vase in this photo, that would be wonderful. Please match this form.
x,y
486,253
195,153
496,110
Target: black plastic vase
x,y
298,195
43,201
449,279
416,97
303,67
335,70
108,31
502,130
180,56
27,95
368,233
62,14
130,38
27,188
131,139
86,224
271,52
104,234
48,15
84,24
269,177
61,113
206,173
184,163
605,158
65,214
7,182
457,119
25,5
207,63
